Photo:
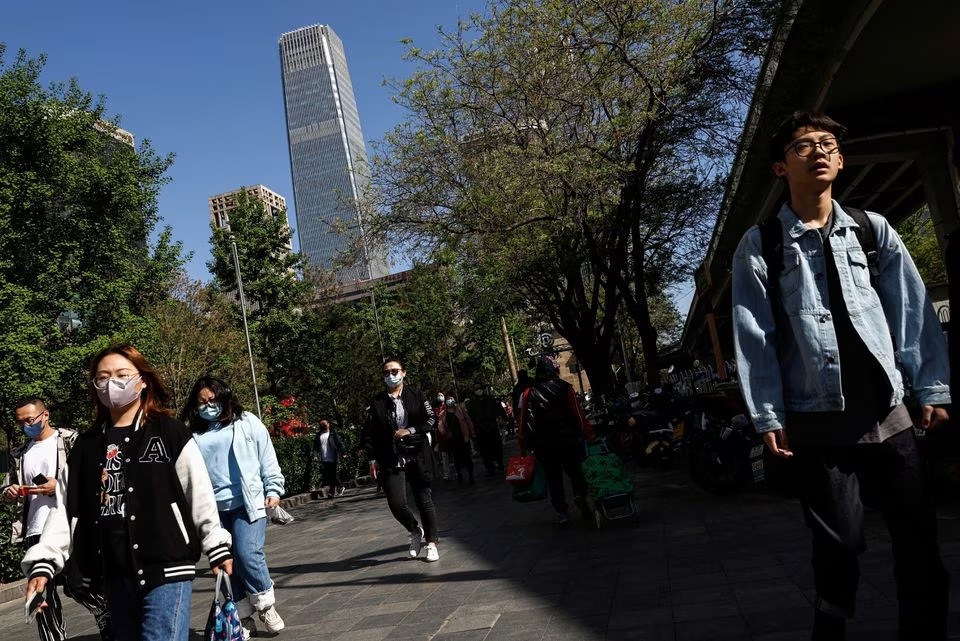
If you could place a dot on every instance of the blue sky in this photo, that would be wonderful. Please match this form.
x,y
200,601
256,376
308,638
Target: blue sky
x,y
201,79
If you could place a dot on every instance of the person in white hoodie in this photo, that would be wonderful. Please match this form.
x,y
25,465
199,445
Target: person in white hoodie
x,y
247,480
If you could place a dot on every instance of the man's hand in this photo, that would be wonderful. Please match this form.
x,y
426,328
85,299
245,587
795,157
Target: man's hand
x,y
37,585
374,470
49,488
933,417
777,443
11,493
399,434
226,566
272,501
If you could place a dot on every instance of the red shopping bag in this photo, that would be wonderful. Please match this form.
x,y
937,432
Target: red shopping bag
x,y
520,470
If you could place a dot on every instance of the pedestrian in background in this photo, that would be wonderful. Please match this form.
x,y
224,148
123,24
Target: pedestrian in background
x,y
33,479
486,412
139,506
552,424
247,480
396,438
329,449
461,433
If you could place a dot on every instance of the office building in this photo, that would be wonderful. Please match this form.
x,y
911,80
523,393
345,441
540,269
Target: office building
x,y
327,155
221,205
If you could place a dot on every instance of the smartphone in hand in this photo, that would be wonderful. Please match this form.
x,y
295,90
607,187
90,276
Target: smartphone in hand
x,y
34,603
39,479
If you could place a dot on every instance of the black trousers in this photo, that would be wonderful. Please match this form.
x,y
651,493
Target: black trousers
x,y
395,486
555,462
330,478
490,447
833,481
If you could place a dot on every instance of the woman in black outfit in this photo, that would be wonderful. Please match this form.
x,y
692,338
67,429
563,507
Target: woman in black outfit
x,y
396,439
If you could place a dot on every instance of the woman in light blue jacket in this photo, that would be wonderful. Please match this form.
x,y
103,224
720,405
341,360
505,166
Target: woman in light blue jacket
x,y
247,480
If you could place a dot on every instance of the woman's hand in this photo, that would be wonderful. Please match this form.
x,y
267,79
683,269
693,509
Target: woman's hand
x,y
226,566
272,501
11,493
37,585
399,434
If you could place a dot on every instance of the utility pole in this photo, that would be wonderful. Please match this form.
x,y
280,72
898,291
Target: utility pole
x,y
511,359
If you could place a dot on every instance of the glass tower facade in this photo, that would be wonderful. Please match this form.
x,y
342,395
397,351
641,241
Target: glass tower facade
x,y
326,151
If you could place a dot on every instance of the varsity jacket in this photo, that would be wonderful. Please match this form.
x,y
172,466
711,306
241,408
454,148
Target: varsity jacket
x,y
65,440
171,512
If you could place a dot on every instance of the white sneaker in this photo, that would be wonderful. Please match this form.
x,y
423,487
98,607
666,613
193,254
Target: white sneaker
x,y
432,554
416,542
248,627
271,620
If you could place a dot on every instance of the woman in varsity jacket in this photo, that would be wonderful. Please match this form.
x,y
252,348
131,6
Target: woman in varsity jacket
x,y
140,507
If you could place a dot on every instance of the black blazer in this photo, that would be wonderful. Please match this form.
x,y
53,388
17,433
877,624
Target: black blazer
x,y
377,434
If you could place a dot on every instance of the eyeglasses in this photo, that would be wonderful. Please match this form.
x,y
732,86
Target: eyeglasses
x,y
392,372
31,421
804,148
120,380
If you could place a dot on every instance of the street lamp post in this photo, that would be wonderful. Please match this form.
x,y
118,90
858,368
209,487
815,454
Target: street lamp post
x,y
243,312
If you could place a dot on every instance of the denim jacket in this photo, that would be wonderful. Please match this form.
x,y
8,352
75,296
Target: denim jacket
x,y
799,370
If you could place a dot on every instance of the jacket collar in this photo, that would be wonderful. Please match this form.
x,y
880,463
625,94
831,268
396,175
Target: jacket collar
x,y
796,228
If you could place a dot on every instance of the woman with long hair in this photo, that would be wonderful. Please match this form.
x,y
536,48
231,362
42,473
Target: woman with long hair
x,y
247,480
139,508
396,438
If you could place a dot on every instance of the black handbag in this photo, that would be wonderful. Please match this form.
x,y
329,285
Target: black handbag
x,y
411,445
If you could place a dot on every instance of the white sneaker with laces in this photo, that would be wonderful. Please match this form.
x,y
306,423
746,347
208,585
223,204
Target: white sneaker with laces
x,y
432,553
271,620
416,542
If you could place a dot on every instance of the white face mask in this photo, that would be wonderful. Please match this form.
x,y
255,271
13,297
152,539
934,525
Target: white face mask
x,y
118,393
393,380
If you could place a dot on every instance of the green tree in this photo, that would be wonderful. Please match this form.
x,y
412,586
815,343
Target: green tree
x,y
272,280
78,204
920,238
577,149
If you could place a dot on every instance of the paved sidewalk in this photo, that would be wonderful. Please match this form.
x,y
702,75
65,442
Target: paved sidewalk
x,y
696,567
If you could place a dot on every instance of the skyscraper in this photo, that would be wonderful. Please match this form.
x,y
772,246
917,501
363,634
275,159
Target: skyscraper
x,y
326,150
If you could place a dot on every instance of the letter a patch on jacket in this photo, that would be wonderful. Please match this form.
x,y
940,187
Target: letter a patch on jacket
x,y
156,452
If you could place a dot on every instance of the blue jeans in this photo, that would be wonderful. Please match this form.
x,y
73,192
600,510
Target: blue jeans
x,y
159,614
250,574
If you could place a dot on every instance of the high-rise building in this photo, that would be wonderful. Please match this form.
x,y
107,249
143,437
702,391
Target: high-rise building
x,y
326,151
222,204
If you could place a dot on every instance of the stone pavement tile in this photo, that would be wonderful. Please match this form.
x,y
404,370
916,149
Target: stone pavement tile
x,y
437,616
629,619
380,620
566,628
782,620
460,622
757,573
701,611
467,635
878,631
698,581
410,631
646,633
702,595
369,634
721,628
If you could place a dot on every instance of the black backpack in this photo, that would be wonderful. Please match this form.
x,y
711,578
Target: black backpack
x,y
771,247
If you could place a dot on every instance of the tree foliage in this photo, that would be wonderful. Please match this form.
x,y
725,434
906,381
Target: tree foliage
x,y
920,239
577,150
77,209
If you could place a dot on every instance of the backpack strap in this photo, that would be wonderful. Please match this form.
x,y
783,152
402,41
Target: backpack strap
x,y
771,248
868,241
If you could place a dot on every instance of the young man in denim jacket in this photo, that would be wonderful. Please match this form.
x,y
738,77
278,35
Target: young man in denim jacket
x,y
818,371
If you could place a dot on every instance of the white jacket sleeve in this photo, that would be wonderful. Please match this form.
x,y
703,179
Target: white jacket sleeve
x,y
215,541
50,554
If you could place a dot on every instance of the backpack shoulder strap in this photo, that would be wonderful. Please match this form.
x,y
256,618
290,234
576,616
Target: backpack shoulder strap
x,y
771,248
868,241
